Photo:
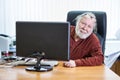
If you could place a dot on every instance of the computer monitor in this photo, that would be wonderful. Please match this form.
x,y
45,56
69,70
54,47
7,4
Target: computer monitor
x,y
52,38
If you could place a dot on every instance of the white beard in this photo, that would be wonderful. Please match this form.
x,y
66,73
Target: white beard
x,y
82,35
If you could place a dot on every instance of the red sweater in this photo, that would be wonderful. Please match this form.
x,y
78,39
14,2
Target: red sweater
x,y
86,52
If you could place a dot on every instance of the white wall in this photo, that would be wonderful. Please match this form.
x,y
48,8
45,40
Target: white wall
x,y
55,10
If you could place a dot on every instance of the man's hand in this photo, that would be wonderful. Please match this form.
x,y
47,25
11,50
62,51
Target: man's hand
x,y
70,64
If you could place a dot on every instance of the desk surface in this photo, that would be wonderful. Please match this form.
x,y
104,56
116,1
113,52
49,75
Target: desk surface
x,y
59,73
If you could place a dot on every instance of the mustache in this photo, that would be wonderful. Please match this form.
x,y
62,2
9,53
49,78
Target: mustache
x,y
81,34
83,31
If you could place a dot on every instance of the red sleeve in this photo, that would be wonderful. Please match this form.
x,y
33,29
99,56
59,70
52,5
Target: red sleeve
x,y
96,56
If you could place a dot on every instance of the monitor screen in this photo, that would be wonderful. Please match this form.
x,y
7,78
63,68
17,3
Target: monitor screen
x,y
52,38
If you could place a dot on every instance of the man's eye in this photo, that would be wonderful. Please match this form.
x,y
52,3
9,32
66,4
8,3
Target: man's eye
x,y
89,26
83,23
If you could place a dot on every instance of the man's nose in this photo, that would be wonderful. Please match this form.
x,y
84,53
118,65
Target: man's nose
x,y
85,27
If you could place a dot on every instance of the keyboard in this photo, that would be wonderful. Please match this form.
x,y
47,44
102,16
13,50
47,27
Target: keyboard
x,y
32,62
49,62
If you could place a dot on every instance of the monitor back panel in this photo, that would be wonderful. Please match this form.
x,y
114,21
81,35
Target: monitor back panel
x,y
52,38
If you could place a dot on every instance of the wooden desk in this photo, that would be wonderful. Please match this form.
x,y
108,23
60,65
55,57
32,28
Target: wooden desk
x,y
59,73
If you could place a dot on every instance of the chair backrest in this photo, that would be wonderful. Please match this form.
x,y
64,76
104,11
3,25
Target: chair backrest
x,y
101,24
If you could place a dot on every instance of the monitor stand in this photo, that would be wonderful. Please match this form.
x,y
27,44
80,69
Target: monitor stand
x,y
38,67
42,68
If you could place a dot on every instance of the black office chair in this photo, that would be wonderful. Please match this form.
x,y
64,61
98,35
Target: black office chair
x,y
101,24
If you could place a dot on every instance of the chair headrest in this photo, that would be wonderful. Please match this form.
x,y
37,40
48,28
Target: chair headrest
x,y
100,16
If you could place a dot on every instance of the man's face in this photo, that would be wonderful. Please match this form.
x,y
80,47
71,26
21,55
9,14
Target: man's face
x,y
85,27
